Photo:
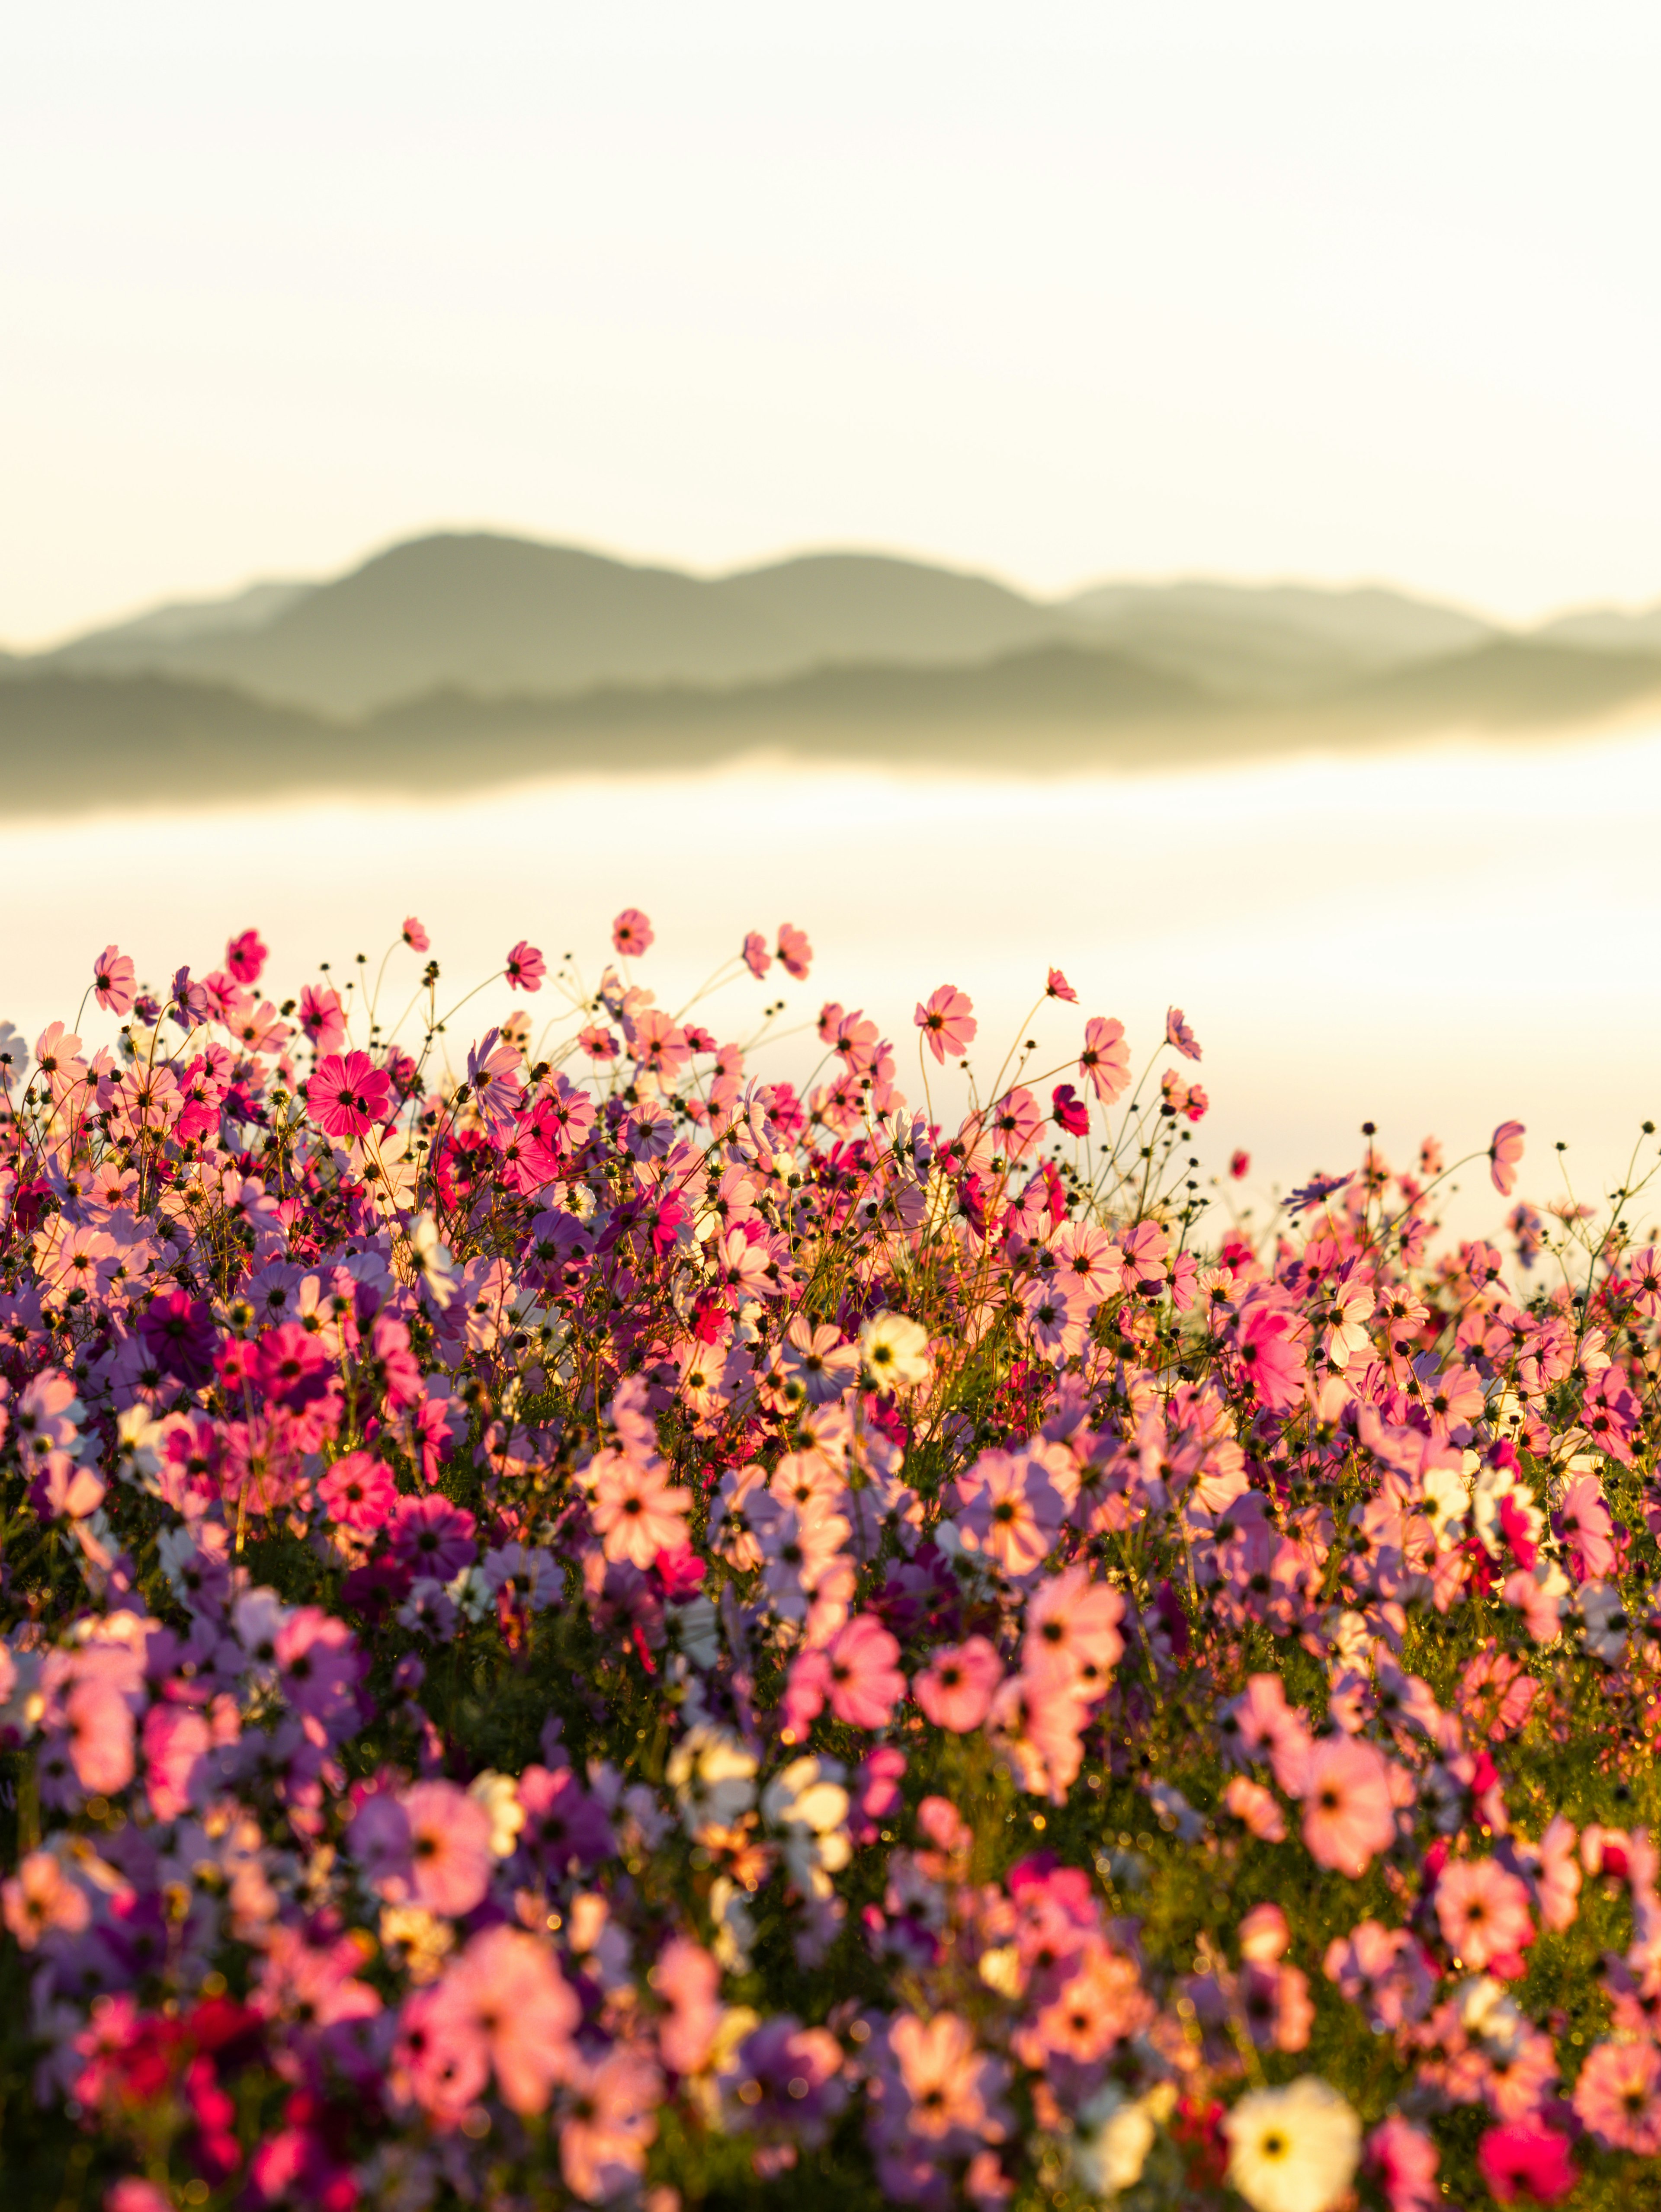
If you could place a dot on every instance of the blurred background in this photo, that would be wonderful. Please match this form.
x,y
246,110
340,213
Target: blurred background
x,y
1168,493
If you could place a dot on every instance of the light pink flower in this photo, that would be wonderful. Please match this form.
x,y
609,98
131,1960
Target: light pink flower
x,y
947,1019
1057,987
631,932
1483,1912
1348,1813
866,1682
506,2000
1009,1511
794,951
1178,1036
636,1511
450,1858
757,958
415,936
323,1018
112,980
1504,1152
1256,1807
609,2119
1618,2097
948,2080
957,1688
1104,1063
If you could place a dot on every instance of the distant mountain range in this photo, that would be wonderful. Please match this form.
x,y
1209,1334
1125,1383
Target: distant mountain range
x,y
456,660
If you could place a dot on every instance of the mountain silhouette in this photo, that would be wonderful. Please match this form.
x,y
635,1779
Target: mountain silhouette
x,y
504,616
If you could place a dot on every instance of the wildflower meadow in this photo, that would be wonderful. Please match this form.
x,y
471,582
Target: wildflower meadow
x,y
584,1625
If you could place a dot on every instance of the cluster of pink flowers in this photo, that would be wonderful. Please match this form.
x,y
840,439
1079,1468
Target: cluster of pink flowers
x,y
586,1625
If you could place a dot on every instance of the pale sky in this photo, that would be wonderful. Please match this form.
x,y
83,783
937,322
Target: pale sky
x,y
1062,292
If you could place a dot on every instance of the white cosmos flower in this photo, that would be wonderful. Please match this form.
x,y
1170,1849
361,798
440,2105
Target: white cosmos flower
x,y
1117,2134
499,1794
1294,2149
895,1349
433,1260
714,1777
1604,1611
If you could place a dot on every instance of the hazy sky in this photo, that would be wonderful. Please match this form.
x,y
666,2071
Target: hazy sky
x,y
1329,291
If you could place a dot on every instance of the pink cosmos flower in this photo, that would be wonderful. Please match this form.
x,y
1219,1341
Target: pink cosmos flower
x,y
323,1018
40,1897
1404,2160
348,1095
177,1742
1073,1628
866,1682
609,2122
449,1849
795,953
957,1688
1526,2159
945,2075
524,967
112,980
245,957
99,1723
1010,1510
1504,1153
507,1999
319,1666
431,1535
415,936
1484,1913
1249,1801
1016,1124
947,1019
1057,987
1618,2097
688,1980
636,1511
358,1490
1104,1063
1178,1036
1239,1165
631,932
757,958
1348,1814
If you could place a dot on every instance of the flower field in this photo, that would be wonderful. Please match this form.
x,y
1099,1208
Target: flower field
x,y
584,1625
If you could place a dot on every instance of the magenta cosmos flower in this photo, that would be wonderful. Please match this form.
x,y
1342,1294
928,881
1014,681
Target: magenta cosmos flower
x,y
631,932
1526,2159
947,1019
245,957
112,980
348,1094
526,968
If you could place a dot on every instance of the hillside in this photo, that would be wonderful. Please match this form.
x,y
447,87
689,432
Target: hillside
x,y
500,616
71,742
505,616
